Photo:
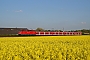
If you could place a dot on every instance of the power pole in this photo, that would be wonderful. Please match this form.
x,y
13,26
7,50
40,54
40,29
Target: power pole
x,y
63,29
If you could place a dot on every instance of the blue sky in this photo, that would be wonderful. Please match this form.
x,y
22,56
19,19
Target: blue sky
x,y
47,14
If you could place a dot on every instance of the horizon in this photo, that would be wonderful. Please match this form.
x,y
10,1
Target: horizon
x,y
44,29
46,14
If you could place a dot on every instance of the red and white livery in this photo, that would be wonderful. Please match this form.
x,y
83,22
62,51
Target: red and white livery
x,y
33,32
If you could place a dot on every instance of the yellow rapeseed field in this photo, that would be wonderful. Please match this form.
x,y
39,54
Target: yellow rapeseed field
x,y
45,48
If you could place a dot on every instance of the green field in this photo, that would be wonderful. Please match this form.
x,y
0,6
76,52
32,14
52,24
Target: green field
x,y
45,48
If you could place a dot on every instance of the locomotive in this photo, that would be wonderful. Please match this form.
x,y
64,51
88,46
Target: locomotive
x,y
39,33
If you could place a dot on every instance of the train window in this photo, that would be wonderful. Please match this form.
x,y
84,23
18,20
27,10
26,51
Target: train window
x,y
70,33
67,33
64,33
41,32
56,32
51,32
60,33
46,32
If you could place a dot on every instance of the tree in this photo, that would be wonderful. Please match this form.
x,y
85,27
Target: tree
x,y
57,30
39,29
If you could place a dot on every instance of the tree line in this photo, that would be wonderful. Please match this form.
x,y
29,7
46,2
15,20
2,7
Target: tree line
x,y
84,31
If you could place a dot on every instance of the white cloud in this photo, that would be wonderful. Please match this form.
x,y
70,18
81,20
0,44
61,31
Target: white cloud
x,y
83,22
19,11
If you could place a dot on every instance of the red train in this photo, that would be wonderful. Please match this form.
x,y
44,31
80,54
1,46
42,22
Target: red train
x,y
33,32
